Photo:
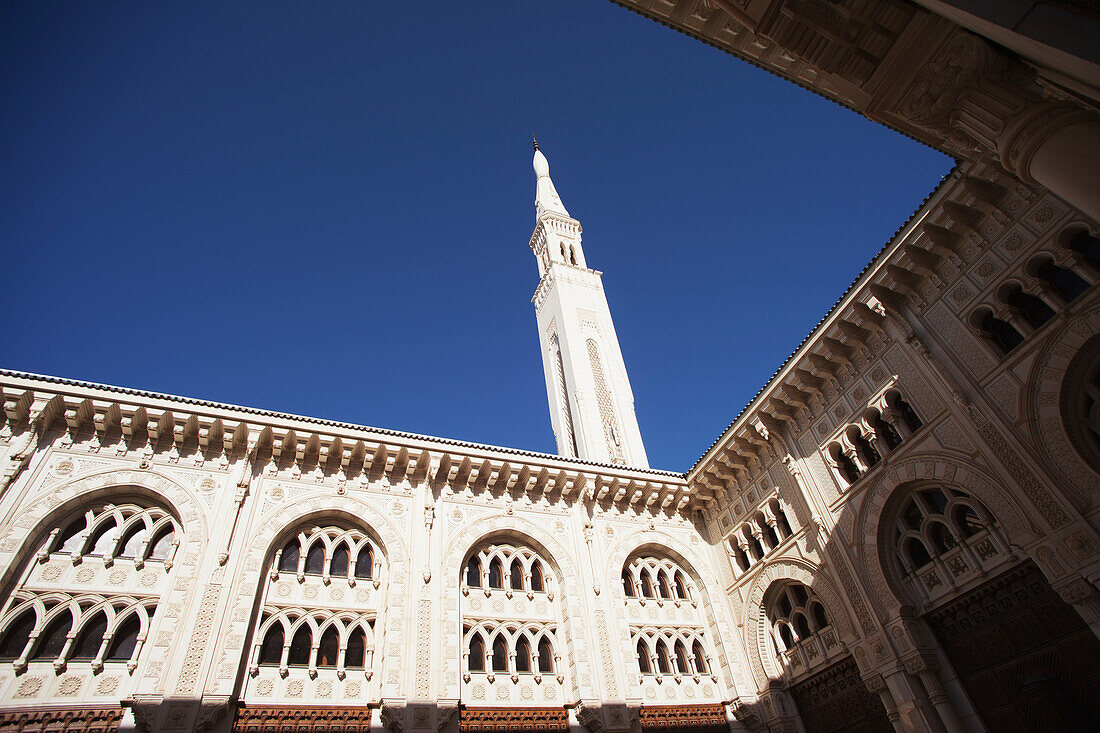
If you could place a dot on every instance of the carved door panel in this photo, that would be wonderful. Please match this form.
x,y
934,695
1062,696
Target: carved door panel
x,y
1026,658
482,720
836,699
684,718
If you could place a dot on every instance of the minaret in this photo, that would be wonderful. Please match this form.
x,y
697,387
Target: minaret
x,y
591,404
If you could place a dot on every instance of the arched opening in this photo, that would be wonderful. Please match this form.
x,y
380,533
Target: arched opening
x,y
315,559
628,584
355,654
662,657
300,647
1000,333
496,573
682,659
90,638
1067,284
1031,308
473,573
537,582
338,567
643,658
288,558
364,563
52,640
523,654
546,657
700,658
477,654
124,640
328,649
16,636
500,655
516,575
271,650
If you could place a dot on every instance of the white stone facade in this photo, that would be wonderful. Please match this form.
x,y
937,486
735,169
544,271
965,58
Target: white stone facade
x,y
899,532
199,563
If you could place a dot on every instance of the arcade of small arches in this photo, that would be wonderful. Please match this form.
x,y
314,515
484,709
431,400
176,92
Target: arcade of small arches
x,y
1047,283
670,651
656,578
882,429
298,638
801,633
525,571
50,618
332,552
760,536
510,649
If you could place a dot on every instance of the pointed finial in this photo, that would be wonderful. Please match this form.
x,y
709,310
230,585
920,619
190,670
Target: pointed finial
x,y
536,142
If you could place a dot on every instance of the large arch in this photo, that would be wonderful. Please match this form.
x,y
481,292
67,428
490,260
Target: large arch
x,y
1043,408
952,472
720,627
25,534
458,549
755,621
260,544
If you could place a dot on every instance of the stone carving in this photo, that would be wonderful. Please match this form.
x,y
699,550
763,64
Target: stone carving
x,y
199,640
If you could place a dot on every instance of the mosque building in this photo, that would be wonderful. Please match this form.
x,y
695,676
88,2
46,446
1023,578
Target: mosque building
x,y
899,532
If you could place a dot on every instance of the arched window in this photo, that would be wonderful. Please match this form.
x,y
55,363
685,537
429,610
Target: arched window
x,y
681,587
866,451
271,650
314,631
288,559
662,657
18,633
1031,308
844,465
1001,333
300,646
328,648
1066,283
662,585
681,659
908,414
477,654
643,658
546,657
500,655
338,568
132,541
364,563
315,559
537,584
886,433
52,640
927,527
161,546
90,638
628,584
124,639
496,573
355,654
473,573
800,627
69,540
647,586
523,655
1085,245
1080,402
516,575
700,658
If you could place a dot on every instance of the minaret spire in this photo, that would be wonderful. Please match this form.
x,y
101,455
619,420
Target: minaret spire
x,y
591,403
546,196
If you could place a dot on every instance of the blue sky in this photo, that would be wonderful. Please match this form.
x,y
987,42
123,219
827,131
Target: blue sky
x,y
324,208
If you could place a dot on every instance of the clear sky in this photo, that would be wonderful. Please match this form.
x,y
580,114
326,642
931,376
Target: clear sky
x,y
324,208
